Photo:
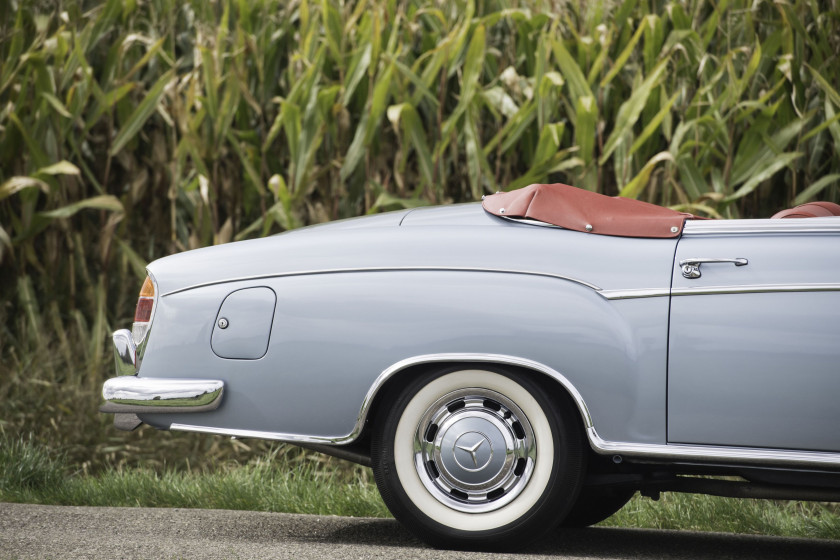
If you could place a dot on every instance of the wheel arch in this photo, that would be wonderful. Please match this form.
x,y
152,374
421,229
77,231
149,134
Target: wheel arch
x,y
395,377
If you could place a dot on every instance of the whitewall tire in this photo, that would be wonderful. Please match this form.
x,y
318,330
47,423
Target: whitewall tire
x,y
477,458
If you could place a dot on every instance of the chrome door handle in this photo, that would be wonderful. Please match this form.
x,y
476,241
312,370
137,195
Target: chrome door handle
x,y
691,267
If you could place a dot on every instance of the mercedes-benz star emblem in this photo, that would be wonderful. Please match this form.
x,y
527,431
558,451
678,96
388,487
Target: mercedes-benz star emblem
x,y
477,447
472,450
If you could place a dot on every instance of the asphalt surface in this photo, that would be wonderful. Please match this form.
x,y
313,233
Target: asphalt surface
x,y
60,532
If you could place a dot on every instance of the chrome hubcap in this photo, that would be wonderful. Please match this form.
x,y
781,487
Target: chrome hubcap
x,y
474,450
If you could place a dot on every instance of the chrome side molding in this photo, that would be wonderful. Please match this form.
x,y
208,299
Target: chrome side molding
x,y
150,394
654,452
638,452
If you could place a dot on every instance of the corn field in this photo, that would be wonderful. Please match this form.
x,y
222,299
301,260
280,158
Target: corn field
x,y
131,129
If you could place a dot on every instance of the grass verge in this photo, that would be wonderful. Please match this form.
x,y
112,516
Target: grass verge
x,y
278,481
284,480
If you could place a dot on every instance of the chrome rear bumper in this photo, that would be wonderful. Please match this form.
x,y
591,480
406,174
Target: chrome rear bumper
x,y
128,394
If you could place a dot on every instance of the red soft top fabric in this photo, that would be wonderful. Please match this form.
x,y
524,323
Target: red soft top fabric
x,y
810,210
581,210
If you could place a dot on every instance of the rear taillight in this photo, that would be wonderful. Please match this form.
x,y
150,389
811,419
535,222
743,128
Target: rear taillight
x,y
144,310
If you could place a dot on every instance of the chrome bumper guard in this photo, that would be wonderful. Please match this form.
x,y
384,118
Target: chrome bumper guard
x,y
152,394
128,394
125,352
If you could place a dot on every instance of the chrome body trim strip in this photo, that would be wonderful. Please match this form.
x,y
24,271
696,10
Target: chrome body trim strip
x,y
755,289
257,434
713,454
125,352
606,294
380,381
387,269
150,394
634,294
708,290
798,225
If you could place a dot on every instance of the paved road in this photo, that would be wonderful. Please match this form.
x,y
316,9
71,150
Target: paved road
x,y
44,532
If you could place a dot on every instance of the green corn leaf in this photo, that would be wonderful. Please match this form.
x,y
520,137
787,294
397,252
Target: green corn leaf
x,y
654,124
551,138
387,201
585,128
622,15
356,150
5,243
57,105
39,157
630,111
291,118
691,178
416,80
711,26
756,160
816,188
63,167
334,30
103,202
141,114
833,127
473,164
831,121
326,102
774,165
245,161
638,183
211,82
405,117
625,54
379,103
17,184
654,37
106,102
473,64
137,264
358,70
824,85
154,49
578,86
513,129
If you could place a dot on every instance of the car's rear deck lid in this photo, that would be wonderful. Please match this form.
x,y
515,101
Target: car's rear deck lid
x,y
580,210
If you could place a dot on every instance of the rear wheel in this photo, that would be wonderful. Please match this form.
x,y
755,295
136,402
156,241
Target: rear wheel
x,y
477,458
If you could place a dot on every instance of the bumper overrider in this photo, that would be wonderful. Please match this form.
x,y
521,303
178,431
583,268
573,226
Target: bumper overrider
x,y
128,395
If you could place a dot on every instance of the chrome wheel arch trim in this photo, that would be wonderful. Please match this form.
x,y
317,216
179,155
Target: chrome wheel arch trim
x,y
498,359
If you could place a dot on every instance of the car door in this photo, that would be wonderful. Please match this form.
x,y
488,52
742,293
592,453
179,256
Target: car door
x,y
754,338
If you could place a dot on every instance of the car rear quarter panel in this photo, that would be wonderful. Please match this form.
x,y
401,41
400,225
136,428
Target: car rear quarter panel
x,y
351,305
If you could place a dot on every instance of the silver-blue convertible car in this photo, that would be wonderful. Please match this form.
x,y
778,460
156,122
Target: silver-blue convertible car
x,y
511,366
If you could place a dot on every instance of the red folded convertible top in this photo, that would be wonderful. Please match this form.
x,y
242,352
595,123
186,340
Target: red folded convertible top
x,y
580,210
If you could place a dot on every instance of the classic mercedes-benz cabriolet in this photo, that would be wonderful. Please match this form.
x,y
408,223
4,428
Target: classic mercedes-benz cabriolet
x,y
511,366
